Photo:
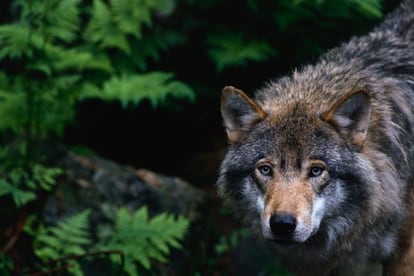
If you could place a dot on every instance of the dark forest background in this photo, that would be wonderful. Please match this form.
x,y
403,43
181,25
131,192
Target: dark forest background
x,y
138,82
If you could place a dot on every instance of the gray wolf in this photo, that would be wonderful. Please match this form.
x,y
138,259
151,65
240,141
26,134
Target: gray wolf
x,y
320,163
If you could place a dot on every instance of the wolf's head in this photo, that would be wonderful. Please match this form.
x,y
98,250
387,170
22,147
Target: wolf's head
x,y
293,166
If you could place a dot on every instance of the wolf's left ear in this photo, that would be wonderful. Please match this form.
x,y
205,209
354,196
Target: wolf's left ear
x,y
239,113
351,116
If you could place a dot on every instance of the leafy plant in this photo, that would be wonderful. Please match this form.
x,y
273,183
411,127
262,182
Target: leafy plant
x,y
231,49
277,23
22,185
140,238
68,237
154,86
143,239
6,264
68,51
292,12
228,242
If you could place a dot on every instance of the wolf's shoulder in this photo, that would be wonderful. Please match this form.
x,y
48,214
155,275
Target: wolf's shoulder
x,y
400,21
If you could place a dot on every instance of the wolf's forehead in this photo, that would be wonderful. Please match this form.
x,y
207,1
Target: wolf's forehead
x,y
297,121
295,130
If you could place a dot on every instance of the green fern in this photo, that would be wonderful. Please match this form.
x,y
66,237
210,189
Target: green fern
x,y
44,178
20,197
14,39
6,264
62,23
232,49
54,45
38,27
68,237
12,105
111,23
143,239
22,185
291,12
152,45
132,89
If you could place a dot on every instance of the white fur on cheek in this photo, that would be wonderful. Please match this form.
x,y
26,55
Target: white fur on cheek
x,y
305,230
260,204
318,212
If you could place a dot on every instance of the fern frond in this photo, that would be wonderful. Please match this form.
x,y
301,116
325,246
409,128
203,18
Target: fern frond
x,y
131,15
56,19
64,21
20,197
6,264
102,29
154,86
79,60
12,110
231,49
14,41
370,8
51,243
295,11
67,237
143,239
45,177
152,44
112,23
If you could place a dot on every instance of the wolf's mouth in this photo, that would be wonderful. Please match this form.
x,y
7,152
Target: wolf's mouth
x,y
284,242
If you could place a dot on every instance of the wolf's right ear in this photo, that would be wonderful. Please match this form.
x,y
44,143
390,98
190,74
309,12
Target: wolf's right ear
x,y
239,113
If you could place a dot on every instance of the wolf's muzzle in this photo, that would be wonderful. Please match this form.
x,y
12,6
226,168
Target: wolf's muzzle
x,y
282,225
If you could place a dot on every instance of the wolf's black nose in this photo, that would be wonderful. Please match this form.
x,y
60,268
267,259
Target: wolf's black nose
x,y
282,224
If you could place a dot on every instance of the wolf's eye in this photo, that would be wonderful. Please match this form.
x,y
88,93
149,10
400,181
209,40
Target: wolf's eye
x,y
315,171
265,170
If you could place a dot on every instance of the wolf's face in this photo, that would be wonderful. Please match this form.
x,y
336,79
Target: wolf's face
x,y
290,168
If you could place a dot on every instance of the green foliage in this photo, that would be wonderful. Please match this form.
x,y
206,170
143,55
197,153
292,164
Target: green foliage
x,y
155,86
143,239
275,22
6,264
292,12
228,242
64,59
231,49
22,185
111,23
68,237
140,238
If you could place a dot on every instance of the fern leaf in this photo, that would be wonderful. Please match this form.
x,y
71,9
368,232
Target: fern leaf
x,y
79,60
5,187
64,20
66,238
152,44
46,253
14,41
154,86
370,8
131,15
45,177
20,197
12,110
143,239
233,50
102,29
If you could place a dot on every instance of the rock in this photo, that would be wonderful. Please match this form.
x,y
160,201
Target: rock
x,y
103,186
